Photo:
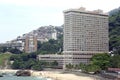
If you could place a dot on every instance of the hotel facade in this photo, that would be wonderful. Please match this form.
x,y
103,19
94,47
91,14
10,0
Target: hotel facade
x,y
85,34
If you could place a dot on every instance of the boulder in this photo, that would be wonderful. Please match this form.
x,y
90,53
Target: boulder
x,y
1,75
23,73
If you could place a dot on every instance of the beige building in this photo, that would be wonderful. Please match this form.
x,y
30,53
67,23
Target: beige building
x,y
30,44
85,34
52,58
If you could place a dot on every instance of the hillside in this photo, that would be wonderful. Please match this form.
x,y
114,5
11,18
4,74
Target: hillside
x,y
114,30
45,32
4,59
114,11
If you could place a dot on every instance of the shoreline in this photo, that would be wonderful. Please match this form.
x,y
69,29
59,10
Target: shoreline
x,y
54,75
8,71
57,75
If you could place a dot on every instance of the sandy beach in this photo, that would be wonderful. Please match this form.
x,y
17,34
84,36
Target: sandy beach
x,y
54,75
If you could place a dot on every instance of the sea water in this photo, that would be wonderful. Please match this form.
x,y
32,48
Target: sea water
x,y
21,78
11,77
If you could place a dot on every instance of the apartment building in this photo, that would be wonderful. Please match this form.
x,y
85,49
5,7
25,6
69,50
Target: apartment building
x,y
13,44
85,34
30,44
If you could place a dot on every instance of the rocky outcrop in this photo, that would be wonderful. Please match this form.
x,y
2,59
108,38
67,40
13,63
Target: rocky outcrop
x,y
1,75
23,73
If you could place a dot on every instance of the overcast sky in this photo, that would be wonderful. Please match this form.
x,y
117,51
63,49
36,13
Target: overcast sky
x,y
21,16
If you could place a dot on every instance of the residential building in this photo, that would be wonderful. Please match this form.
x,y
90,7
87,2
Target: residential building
x,y
85,34
13,44
30,44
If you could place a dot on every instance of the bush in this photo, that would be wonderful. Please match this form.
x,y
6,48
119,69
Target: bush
x,y
37,67
69,66
92,68
102,60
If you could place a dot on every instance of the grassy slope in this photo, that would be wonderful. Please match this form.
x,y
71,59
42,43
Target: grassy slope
x,y
3,58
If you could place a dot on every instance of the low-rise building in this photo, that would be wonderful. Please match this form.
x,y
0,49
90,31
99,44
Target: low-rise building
x,y
52,58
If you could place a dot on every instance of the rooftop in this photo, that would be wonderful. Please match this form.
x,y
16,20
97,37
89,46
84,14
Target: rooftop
x,y
83,10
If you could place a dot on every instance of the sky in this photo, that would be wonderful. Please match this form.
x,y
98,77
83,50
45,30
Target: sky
x,y
22,16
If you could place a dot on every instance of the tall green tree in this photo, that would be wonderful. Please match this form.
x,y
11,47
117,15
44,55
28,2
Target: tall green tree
x,y
101,59
114,30
50,47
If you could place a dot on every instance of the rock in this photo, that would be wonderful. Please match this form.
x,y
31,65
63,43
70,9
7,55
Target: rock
x,y
1,75
23,73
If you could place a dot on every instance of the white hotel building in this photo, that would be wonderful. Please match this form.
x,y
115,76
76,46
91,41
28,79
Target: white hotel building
x,y
85,34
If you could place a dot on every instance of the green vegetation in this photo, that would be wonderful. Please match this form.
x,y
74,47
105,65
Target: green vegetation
x,y
114,30
69,66
3,58
115,61
51,47
84,67
101,60
11,50
92,68
54,64
25,61
29,61
98,62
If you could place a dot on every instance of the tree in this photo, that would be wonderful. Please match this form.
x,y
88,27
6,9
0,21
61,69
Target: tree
x,y
15,57
116,50
14,50
39,44
54,64
69,66
82,66
24,57
32,55
76,67
114,30
115,61
3,49
16,64
28,61
37,67
101,60
52,41
9,49
92,68
52,46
